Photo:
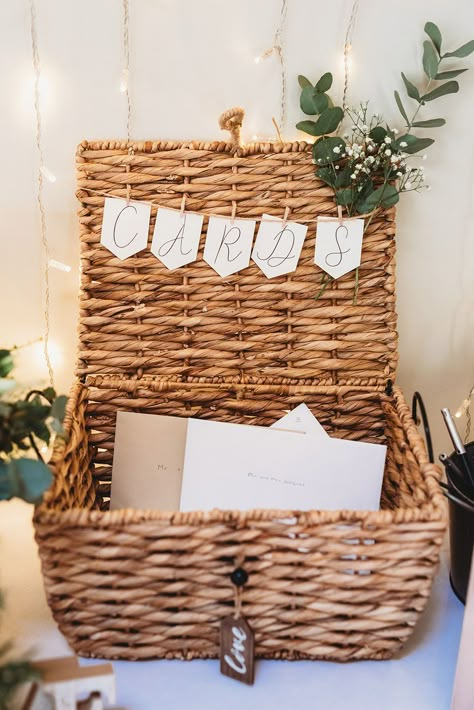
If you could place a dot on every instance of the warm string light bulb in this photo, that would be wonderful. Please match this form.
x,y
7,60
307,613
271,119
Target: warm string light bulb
x,y
463,408
346,59
47,174
265,55
59,265
124,81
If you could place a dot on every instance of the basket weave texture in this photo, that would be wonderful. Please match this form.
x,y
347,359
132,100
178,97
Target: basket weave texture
x,y
144,584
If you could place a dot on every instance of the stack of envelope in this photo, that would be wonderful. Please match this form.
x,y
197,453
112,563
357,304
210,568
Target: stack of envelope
x,y
174,463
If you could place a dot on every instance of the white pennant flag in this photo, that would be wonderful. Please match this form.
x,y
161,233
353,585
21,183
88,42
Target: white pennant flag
x,y
176,237
338,245
278,246
125,226
228,244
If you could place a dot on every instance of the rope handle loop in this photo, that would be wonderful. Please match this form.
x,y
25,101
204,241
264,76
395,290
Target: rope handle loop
x,y
231,121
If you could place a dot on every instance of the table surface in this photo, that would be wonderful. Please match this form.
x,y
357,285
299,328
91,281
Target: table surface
x,y
420,678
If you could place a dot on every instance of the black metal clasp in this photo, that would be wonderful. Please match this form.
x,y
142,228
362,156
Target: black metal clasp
x,y
417,401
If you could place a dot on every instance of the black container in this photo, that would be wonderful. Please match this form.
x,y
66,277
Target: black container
x,y
461,530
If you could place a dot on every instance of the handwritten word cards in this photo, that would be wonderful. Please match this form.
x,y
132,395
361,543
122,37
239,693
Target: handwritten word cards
x,y
229,240
338,245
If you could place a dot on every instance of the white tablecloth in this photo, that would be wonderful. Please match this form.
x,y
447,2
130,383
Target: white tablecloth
x,y
421,678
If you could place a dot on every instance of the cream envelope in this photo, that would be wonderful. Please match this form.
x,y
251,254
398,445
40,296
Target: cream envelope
x,y
241,467
148,461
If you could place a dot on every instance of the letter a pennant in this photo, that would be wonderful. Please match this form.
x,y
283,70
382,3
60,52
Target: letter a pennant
x,y
176,237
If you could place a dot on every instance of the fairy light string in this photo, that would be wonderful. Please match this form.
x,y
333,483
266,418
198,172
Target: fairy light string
x,y
278,49
42,171
348,50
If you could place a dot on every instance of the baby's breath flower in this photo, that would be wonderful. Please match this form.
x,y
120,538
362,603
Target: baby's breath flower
x,y
403,144
387,140
408,185
353,176
395,131
388,152
336,149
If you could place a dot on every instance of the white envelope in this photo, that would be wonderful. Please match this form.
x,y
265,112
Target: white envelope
x,y
240,467
301,418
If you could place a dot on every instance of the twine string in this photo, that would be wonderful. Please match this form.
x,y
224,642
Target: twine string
x,y
126,63
205,213
279,48
126,69
39,190
237,602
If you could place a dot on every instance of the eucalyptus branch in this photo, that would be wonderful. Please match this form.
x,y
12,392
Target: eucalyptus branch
x,y
369,167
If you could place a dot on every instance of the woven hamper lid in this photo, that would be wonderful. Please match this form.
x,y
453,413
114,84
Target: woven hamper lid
x,y
139,319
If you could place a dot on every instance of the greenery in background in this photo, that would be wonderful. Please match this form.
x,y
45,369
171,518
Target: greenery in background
x,y
12,674
24,424
372,163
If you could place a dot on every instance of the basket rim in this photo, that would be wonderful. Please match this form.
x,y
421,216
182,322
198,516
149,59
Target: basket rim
x,y
270,148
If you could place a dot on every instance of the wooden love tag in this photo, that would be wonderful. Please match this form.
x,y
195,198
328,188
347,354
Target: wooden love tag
x,y
237,649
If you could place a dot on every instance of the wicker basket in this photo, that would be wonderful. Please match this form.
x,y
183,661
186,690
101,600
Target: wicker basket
x,y
131,584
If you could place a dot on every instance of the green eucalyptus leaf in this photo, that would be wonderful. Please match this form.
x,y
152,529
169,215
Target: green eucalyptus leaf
x,y
411,144
327,176
304,82
57,426
384,196
29,478
343,178
430,60
345,196
400,106
463,51
307,127
320,102
6,363
441,76
325,83
451,87
412,91
434,34
306,101
378,133
49,393
431,123
323,150
58,408
329,120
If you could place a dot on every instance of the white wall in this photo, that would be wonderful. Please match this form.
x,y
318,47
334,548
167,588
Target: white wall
x,y
191,59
